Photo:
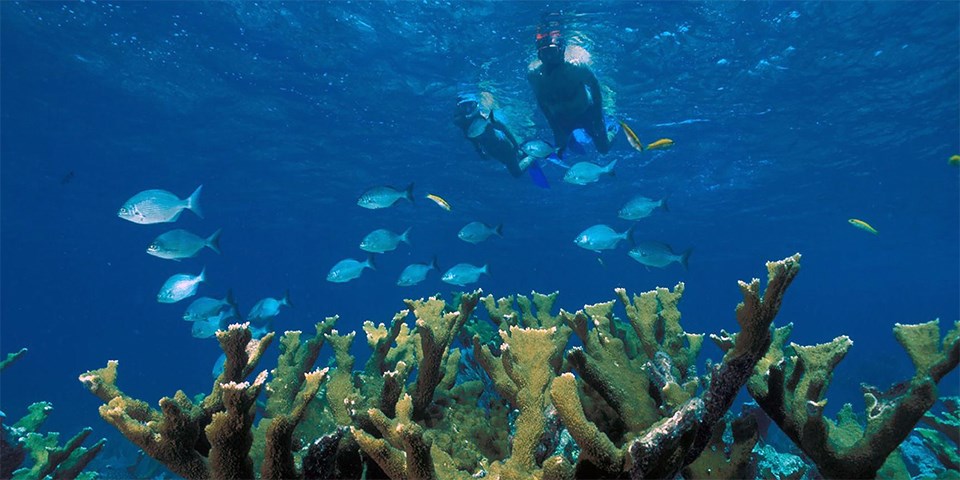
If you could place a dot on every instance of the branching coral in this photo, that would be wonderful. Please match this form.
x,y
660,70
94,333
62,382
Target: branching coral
x,y
425,407
790,385
49,459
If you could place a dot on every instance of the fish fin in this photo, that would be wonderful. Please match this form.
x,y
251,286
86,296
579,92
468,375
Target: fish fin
x,y
610,166
409,192
629,236
537,176
370,263
485,269
404,237
663,204
213,241
685,257
556,160
193,202
499,230
203,274
434,265
286,298
175,216
229,300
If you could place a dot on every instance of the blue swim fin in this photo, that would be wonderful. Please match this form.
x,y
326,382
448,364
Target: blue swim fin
x,y
536,174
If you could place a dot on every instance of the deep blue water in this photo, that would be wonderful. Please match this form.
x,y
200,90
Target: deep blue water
x,y
789,118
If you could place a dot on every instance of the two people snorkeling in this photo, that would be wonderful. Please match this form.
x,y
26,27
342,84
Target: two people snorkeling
x,y
568,94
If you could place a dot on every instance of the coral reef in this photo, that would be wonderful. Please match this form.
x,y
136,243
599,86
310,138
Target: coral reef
x,y
48,459
453,396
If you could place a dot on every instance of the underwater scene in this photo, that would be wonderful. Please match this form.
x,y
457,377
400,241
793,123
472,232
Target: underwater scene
x,y
453,240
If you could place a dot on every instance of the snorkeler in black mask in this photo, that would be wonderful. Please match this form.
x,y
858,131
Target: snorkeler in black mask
x,y
489,136
567,93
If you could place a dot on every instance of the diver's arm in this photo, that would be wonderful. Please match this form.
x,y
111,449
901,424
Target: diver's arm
x,y
596,126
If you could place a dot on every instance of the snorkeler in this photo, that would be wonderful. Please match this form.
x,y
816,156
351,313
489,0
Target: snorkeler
x,y
568,93
489,136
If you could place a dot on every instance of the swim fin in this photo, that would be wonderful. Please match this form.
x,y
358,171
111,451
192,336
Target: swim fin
x,y
536,174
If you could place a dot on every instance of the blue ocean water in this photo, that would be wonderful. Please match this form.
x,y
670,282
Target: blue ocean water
x,y
788,119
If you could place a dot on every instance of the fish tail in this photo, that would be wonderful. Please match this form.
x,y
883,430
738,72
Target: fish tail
x,y
286,299
409,192
405,236
193,202
434,265
203,275
610,166
213,241
370,264
629,236
230,301
685,258
663,205
499,230
485,269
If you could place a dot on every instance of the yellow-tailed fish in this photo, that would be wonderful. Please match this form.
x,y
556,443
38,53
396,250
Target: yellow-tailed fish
x,y
862,225
660,144
439,201
954,160
632,137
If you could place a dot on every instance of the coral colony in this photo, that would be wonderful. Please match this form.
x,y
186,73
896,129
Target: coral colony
x,y
456,396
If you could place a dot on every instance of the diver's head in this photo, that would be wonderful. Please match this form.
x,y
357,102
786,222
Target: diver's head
x,y
551,47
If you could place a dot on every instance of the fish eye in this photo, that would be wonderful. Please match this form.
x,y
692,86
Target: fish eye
x,y
152,247
123,210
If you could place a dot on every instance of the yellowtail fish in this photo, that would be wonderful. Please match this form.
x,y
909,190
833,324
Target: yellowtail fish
x,y
439,201
954,160
660,144
632,137
862,225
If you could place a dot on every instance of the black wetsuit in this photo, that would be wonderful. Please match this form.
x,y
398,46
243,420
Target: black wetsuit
x,y
569,96
496,141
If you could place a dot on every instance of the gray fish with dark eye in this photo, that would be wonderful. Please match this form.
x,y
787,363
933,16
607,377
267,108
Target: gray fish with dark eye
x,y
177,244
659,255
416,273
349,269
180,286
159,206
582,173
537,148
384,196
463,274
383,240
206,307
269,307
601,237
641,207
476,232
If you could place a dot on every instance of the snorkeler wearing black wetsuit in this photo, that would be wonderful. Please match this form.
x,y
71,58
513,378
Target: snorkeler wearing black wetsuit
x,y
489,136
568,93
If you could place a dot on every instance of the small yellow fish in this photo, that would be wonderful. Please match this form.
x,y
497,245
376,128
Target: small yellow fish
x,y
632,137
660,144
954,160
862,225
439,201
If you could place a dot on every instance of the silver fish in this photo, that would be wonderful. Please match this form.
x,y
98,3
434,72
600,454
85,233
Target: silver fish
x,y
159,206
269,307
177,244
537,148
349,269
476,232
641,207
180,286
206,307
463,274
383,240
600,237
659,255
384,196
416,273
582,173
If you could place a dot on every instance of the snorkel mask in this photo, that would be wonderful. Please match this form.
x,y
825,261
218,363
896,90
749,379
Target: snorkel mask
x,y
550,47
